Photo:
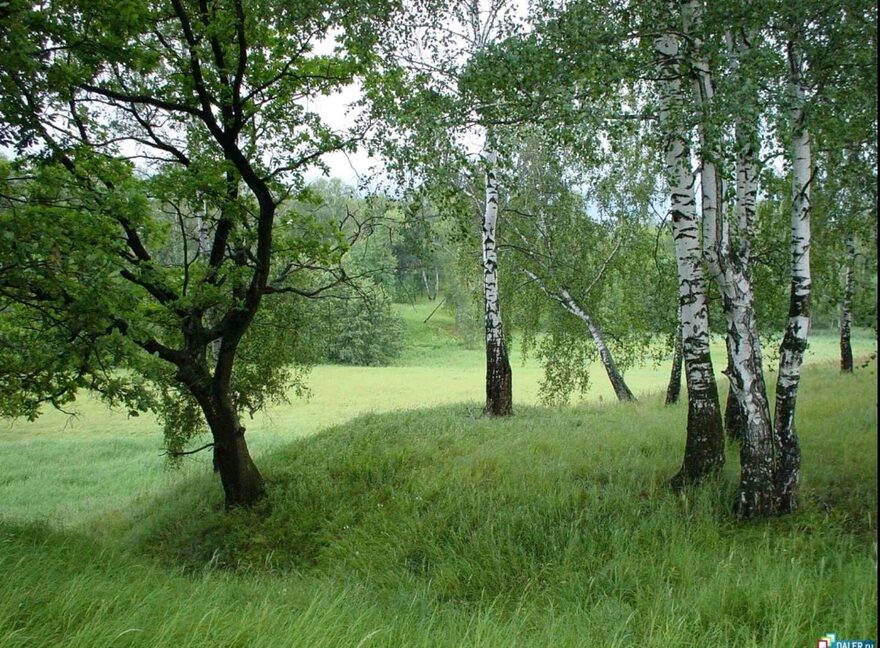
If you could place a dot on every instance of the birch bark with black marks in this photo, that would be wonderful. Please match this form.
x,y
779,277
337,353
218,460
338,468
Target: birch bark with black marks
x,y
564,297
621,389
757,456
743,226
704,448
794,342
499,378
846,355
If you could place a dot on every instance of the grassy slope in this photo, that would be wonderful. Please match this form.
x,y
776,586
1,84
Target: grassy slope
x,y
437,527
104,461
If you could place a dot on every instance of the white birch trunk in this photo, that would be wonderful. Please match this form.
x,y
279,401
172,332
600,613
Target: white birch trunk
x,y
499,397
704,451
621,389
745,138
202,227
794,343
204,248
757,455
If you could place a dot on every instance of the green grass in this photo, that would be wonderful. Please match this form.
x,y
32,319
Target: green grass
x,y
104,461
435,526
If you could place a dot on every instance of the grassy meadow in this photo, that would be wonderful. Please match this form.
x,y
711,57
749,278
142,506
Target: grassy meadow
x,y
398,516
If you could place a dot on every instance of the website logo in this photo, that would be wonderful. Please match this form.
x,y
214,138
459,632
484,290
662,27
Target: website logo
x,y
830,640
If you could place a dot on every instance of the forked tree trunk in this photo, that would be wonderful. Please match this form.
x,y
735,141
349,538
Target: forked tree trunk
x,y
499,377
673,389
621,389
741,234
794,342
846,356
704,448
728,268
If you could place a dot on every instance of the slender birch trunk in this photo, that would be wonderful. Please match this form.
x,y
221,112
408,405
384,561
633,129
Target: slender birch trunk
x,y
846,356
569,303
743,231
794,342
499,379
757,451
704,449
202,227
673,389
431,295
425,284
621,389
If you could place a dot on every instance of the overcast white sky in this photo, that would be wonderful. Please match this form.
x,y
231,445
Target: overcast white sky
x,y
337,112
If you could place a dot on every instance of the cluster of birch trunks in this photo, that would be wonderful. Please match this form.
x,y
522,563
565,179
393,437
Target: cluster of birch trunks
x,y
712,243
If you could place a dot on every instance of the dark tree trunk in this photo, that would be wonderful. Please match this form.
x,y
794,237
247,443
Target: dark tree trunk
x,y
673,390
499,379
789,464
704,447
846,356
734,416
242,482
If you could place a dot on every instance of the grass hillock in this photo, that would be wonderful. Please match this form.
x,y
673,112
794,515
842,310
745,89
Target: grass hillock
x,y
437,526
561,516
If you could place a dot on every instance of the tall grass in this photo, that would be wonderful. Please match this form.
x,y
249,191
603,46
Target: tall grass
x,y
440,527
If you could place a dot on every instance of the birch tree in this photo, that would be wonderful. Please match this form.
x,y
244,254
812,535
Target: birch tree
x,y
794,342
704,448
434,97
726,252
585,256
846,356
